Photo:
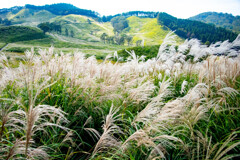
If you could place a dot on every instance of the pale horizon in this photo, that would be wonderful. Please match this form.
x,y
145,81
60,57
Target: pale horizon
x,y
179,9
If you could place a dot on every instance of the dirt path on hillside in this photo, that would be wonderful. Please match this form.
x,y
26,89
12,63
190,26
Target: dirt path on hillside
x,y
4,47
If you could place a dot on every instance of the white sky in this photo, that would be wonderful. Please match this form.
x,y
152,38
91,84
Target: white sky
x,y
177,8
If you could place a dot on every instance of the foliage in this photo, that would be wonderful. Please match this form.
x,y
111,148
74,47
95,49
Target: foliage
x,y
148,51
68,106
193,29
5,22
64,9
19,33
224,20
49,27
119,23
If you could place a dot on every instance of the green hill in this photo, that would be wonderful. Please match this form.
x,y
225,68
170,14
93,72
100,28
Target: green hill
x,y
19,33
225,20
84,28
30,17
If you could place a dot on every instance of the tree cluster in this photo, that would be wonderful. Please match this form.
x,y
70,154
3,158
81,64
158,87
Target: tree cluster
x,y
117,39
50,27
194,29
119,23
65,9
5,22
69,33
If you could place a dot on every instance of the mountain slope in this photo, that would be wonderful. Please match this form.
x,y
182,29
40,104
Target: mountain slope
x,y
147,29
225,20
195,29
84,28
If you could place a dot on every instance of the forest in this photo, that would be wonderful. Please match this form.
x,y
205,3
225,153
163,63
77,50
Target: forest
x,y
194,29
64,9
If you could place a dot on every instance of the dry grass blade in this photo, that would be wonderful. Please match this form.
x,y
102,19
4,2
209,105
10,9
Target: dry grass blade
x,y
107,139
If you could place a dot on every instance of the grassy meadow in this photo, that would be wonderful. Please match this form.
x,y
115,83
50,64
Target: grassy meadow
x,y
182,103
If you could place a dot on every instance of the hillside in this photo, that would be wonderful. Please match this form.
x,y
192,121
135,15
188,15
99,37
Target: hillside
x,y
194,29
31,17
147,29
84,28
19,33
225,20
86,36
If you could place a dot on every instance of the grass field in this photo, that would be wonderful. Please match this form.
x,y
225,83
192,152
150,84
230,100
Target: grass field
x,y
71,106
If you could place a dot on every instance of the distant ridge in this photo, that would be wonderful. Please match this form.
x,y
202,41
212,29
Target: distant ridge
x,y
185,28
225,20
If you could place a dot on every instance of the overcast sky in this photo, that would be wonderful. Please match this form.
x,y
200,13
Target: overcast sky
x,y
177,8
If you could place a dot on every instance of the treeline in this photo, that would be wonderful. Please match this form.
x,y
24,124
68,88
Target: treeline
x,y
220,19
5,22
65,9
194,29
19,33
142,14
12,9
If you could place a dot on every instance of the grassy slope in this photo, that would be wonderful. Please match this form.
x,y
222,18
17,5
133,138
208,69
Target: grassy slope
x,y
2,45
30,17
148,30
81,27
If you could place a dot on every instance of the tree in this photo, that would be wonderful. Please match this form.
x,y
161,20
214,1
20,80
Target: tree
x,y
120,40
44,27
119,23
110,39
66,32
58,29
72,33
138,42
6,22
103,37
89,21
49,27
104,19
129,40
